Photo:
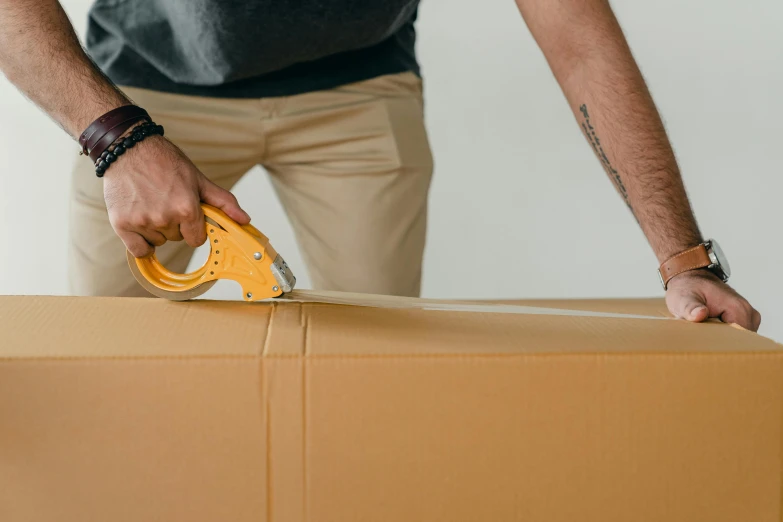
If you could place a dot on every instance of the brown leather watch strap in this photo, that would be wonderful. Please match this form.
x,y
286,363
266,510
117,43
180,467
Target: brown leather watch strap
x,y
691,259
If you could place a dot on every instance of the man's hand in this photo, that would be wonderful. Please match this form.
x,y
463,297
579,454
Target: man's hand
x,y
154,194
699,295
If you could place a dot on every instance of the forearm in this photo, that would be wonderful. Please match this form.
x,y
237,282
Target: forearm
x,y
620,122
609,98
41,55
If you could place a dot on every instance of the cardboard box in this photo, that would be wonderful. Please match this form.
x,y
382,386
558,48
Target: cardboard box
x,y
146,410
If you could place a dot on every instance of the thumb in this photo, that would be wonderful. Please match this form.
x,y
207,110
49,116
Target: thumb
x,y
689,306
212,194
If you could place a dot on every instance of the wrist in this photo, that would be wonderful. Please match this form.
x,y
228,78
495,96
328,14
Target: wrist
x,y
124,144
669,249
138,155
77,123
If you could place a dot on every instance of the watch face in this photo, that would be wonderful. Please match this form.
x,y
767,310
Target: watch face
x,y
717,256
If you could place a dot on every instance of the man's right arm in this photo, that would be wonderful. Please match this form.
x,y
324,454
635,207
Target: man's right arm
x,y
153,193
41,55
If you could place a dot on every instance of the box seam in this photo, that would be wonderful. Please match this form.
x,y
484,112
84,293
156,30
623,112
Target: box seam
x,y
268,333
304,440
240,357
268,429
780,457
304,324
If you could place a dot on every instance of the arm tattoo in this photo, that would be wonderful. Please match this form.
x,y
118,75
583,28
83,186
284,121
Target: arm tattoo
x,y
595,141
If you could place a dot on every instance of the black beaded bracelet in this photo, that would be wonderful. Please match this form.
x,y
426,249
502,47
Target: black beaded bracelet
x,y
111,154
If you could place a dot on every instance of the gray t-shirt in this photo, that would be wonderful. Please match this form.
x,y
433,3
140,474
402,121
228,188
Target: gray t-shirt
x,y
252,48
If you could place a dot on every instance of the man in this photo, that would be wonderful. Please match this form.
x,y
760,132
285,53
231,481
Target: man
x,y
327,97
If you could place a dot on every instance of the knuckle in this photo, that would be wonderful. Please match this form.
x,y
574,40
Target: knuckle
x,y
186,211
122,223
158,220
741,309
138,220
736,315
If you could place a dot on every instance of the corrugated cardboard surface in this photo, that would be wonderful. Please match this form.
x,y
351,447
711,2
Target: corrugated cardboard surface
x,y
142,409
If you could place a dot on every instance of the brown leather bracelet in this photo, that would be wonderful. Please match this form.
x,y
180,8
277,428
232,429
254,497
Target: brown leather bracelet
x,y
102,125
110,136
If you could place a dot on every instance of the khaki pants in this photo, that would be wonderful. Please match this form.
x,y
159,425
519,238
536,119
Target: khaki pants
x,y
351,166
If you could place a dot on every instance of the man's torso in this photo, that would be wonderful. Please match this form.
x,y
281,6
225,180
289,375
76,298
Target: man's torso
x,y
254,48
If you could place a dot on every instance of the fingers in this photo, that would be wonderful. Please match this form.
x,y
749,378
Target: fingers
x,y
172,233
136,244
730,307
153,237
192,226
756,320
176,222
688,305
143,229
741,313
224,200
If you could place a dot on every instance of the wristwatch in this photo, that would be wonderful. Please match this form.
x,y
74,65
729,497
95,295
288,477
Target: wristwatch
x,y
705,255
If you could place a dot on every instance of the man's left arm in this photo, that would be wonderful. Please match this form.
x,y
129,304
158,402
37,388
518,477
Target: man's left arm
x,y
590,58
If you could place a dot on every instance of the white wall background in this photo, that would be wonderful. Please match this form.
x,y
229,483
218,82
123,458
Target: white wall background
x,y
518,198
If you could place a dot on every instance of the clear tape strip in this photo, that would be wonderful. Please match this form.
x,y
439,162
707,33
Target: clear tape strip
x,y
381,301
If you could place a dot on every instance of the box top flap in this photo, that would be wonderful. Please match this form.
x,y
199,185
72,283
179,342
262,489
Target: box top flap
x,y
315,325
53,326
